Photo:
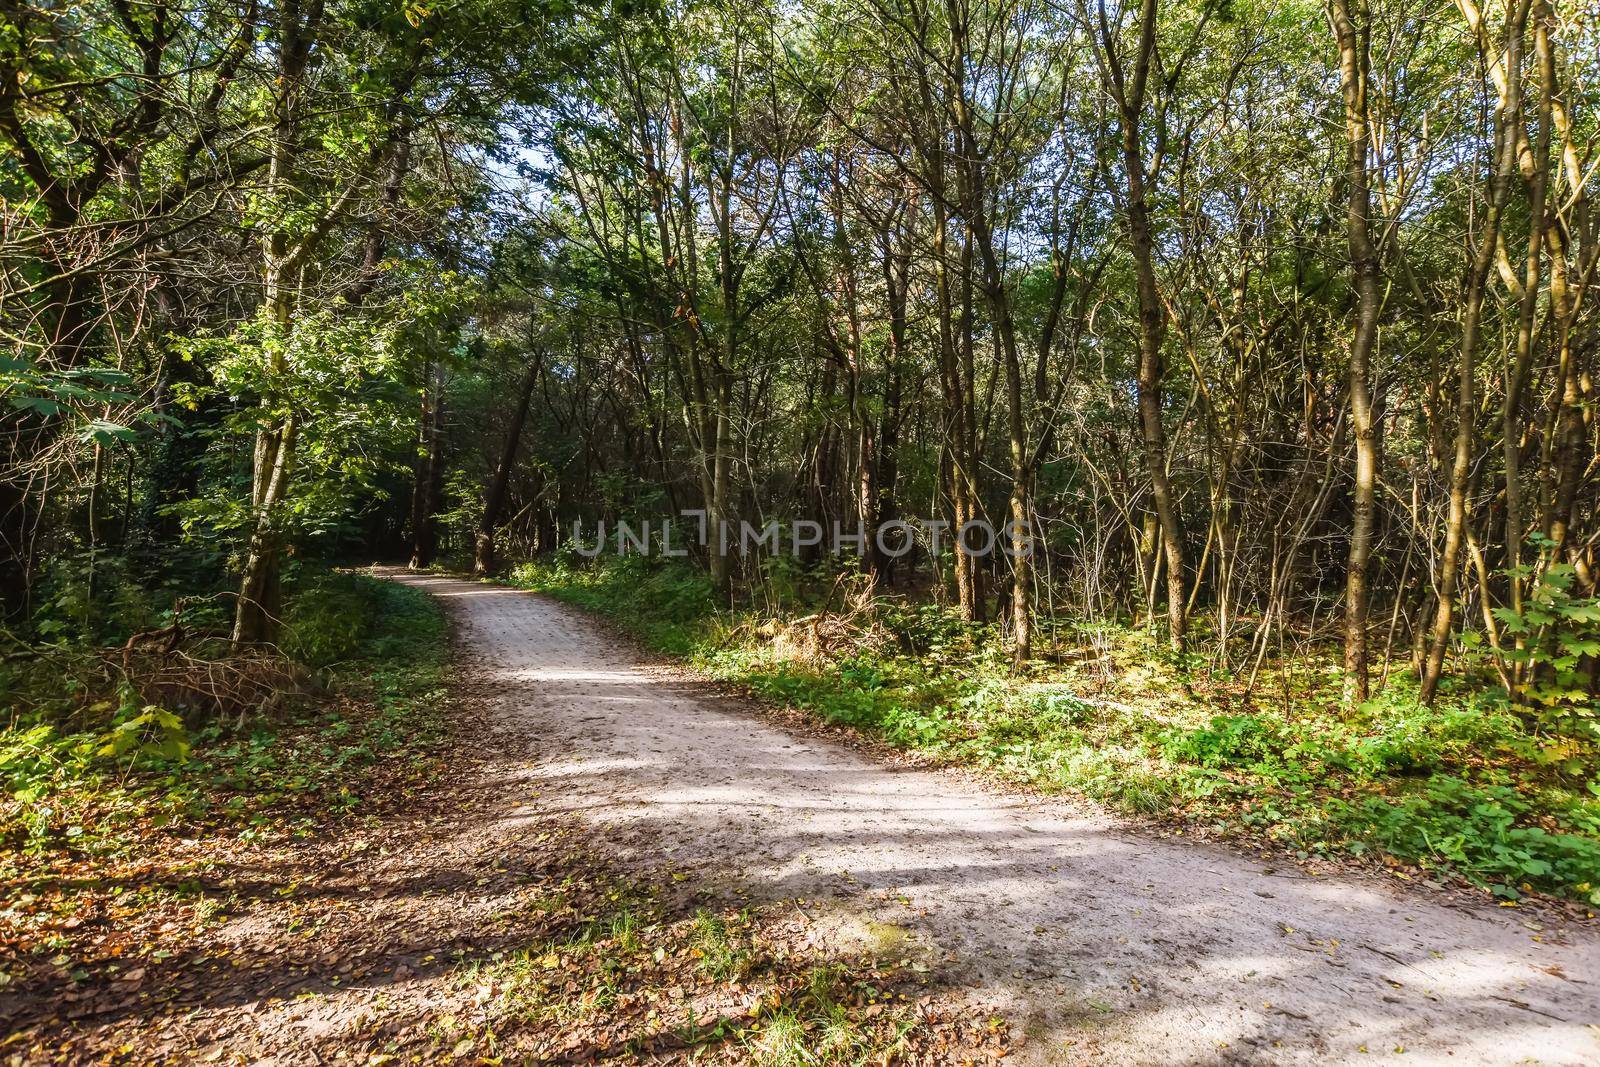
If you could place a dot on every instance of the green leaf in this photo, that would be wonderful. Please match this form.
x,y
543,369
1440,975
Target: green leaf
x,y
104,432
37,403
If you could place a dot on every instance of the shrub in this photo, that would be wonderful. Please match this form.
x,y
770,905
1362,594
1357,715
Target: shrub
x,y
92,597
1480,832
328,618
1227,741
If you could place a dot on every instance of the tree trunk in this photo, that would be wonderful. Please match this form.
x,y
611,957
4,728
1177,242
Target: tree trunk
x,y
256,616
483,561
260,598
1130,92
1537,177
1506,122
430,474
1351,29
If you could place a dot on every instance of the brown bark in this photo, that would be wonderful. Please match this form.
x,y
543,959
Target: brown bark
x,y
429,479
1351,27
1507,120
256,617
1129,88
494,498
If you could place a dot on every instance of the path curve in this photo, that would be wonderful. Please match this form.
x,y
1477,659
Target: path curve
x,y
1114,946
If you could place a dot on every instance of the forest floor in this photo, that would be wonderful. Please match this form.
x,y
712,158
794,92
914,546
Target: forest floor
x,y
609,858
1101,941
422,900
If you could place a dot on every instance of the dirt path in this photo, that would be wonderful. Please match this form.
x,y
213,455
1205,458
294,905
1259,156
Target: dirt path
x,y
1108,945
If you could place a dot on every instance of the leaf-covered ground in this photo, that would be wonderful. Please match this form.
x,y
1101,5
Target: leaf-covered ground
x,y
354,886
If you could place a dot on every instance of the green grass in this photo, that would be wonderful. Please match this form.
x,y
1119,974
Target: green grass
x,y
719,951
820,1025
1467,787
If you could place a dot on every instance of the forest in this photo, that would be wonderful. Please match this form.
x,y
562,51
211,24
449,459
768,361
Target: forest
x,y
1255,340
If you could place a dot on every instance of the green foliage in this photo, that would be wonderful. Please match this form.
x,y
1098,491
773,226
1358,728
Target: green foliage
x,y
1555,638
341,380
81,395
721,954
928,629
41,761
1486,832
86,774
1227,741
670,603
91,597
329,618
147,732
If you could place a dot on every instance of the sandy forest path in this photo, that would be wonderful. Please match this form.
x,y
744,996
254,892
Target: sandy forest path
x,y
1105,944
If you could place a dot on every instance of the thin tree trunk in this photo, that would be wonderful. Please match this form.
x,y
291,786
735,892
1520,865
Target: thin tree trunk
x,y
430,475
483,553
1129,88
1351,26
256,616
1506,122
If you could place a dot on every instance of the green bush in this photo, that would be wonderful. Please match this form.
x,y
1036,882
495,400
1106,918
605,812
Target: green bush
x,y
328,617
93,598
1558,638
1227,741
1479,831
664,602
85,764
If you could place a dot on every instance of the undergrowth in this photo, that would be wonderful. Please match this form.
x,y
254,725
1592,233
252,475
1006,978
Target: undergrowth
x,y
91,768
1467,787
